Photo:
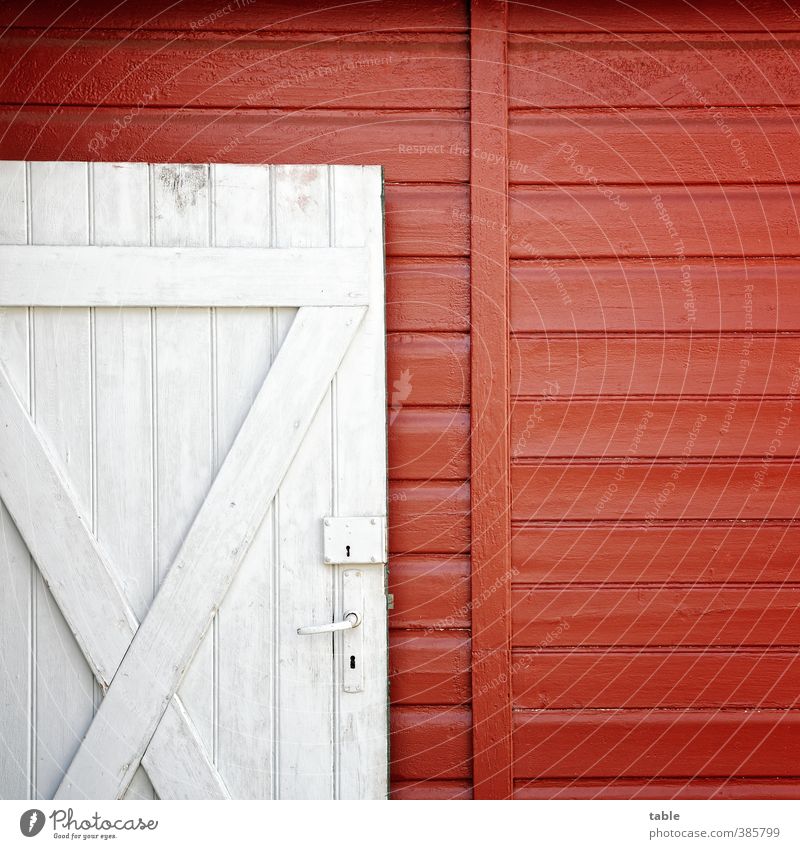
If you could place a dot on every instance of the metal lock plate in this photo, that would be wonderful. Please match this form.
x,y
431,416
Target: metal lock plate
x,y
354,539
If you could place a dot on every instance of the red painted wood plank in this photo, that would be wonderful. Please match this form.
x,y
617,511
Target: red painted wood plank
x,y
670,616
701,365
675,222
428,368
426,444
656,553
491,530
431,518
296,15
652,70
427,295
430,743
429,669
342,137
648,146
430,593
652,15
370,71
431,790
423,221
649,679
701,490
635,428
659,788
552,744
655,295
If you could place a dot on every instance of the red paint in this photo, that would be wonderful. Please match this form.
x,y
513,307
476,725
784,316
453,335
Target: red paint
x,y
258,70
656,146
619,70
430,669
656,616
601,428
429,517
431,593
431,743
659,678
689,552
428,294
657,788
521,364
660,365
428,368
491,531
706,221
556,744
648,296
429,443
664,491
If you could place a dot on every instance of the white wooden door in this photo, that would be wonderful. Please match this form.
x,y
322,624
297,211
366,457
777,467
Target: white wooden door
x,y
192,379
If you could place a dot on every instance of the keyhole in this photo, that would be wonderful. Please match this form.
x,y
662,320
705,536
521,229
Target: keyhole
x,y
352,661
348,550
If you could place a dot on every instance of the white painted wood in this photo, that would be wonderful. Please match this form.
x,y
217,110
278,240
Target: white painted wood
x,y
61,381
360,488
197,581
125,469
159,405
50,517
123,391
17,572
56,526
305,593
243,345
180,277
184,417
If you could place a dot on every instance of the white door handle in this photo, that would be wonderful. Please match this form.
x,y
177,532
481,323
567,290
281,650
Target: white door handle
x,y
351,620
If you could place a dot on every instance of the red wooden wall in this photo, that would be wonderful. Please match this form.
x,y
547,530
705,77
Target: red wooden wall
x,y
655,360
625,611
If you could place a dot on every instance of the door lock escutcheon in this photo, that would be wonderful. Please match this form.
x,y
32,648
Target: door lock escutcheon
x,y
354,540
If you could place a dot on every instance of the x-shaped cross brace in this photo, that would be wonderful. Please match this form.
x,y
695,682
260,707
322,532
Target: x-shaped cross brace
x,y
141,719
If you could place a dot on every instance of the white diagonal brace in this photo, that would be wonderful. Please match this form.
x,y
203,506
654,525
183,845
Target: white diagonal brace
x,y
211,554
47,514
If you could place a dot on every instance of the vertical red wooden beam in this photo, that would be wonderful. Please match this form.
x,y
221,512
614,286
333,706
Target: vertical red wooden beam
x,y
491,527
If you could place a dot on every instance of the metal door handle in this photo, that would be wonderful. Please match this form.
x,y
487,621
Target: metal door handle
x,y
351,620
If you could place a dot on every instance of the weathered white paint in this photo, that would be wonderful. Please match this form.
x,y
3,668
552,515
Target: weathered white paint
x,y
360,485
165,393
181,277
209,557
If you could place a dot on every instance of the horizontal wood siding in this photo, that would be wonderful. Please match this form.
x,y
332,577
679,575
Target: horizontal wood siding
x,y
655,372
299,82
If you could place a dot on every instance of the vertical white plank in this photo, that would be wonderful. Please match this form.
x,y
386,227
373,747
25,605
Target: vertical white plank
x,y
184,391
244,624
301,219
305,592
62,407
360,485
16,570
124,474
